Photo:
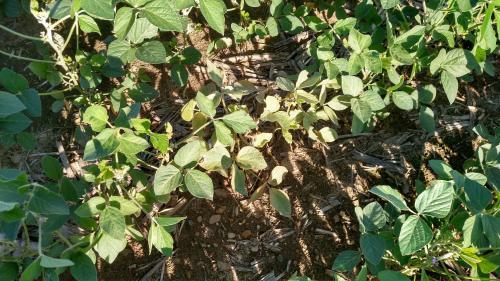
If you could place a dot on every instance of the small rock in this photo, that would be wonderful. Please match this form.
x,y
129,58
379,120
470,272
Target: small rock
x,y
214,219
220,210
231,235
199,219
254,249
246,234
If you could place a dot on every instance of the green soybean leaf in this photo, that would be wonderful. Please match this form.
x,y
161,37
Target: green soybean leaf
x,y
124,20
112,222
450,86
58,9
12,81
108,247
426,119
272,26
240,121
213,11
217,159
32,272
352,85
88,24
206,105
102,9
426,94
238,180
373,247
191,55
477,196
388,4
184,4
373,217
285,84
10,104
199,184
363,274
91,208
97,117
31,100
179,74
52,168
491,228
291,24
464,5
190,153
215,74
455,63
14,123
46,202
152,52
104,144
126,207
165,15
358,41
343,26
414,235
361,109
7,206
160,239
169,221
281,202
84,269
121,49
10,271
393,196
252,3
346,261
402,100
388,275
436,201
49,262
223,134
141,30
167,179
277,175
250,158
441,169
130,144
410,37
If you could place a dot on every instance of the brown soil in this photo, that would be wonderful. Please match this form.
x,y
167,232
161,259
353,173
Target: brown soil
x,y
231,239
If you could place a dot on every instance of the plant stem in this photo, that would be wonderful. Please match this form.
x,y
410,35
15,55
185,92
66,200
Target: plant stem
x,y
66,241
20,34
69,35
54,92
175,145
40,252
60,21
11,55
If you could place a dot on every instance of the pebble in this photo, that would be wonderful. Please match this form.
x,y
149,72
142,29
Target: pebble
x,y
214,219
231,235
246,234
254,249
220,210
199,219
